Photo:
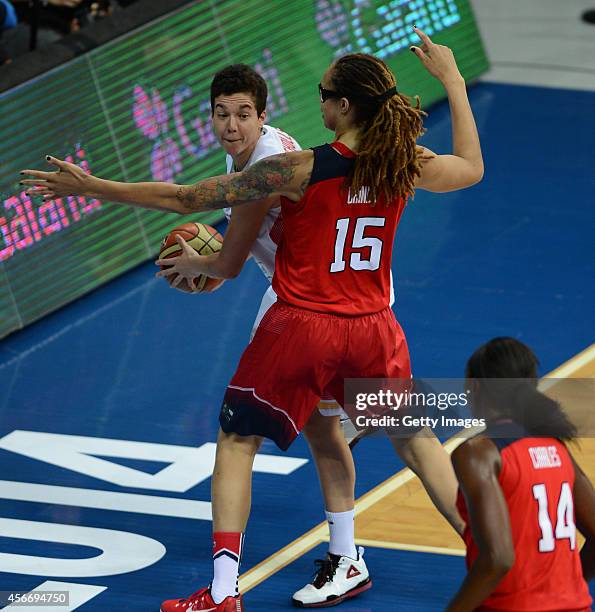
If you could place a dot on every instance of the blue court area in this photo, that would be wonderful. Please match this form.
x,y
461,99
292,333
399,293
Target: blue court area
x,y
397,581
122,389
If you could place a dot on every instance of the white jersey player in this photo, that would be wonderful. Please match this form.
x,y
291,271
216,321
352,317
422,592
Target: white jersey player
x,y
272,142
238,100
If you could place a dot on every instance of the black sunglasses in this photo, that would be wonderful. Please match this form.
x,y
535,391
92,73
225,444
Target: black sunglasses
x,y
325,94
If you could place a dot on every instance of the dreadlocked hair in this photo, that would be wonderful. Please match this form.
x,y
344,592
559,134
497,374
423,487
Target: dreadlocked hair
x,y
387,162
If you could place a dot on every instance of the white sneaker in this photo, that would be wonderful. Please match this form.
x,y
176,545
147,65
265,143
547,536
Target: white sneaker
x,y
338,578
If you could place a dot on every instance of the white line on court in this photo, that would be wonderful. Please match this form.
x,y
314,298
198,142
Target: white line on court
x,y
319,534
567,369
277,561
437,550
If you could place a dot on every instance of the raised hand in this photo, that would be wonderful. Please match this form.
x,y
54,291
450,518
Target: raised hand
x,y
69,179
438,60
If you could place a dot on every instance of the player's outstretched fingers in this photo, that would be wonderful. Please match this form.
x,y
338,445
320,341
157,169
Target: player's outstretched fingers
x,y
425,38
170,261
422,56
168,269
177,280
170,281
166,272
185,246
40,176
39,191
59,163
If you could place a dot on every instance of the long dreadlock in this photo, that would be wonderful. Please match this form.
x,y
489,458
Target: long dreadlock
x,y
387,162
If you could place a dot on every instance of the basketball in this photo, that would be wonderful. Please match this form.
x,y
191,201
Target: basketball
x,y
205,240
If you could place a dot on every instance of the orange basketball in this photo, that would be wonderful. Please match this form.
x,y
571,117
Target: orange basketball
x,y
205,240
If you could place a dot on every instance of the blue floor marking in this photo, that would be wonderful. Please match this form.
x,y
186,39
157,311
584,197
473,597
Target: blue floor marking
x,y
136,361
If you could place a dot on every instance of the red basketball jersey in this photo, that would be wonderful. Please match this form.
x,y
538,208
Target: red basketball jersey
x,y
537,479
335,254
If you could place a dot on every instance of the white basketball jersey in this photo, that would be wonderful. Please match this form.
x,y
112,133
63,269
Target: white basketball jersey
x,y
272,142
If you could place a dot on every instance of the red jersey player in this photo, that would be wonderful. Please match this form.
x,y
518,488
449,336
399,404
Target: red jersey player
x,y
520,493
238,98
341,204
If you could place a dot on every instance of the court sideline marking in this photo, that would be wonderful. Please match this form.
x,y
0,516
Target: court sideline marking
x,y
277,561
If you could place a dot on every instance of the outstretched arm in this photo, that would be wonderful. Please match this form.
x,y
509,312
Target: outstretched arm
x,y
280,175
70,179
286,175
465,166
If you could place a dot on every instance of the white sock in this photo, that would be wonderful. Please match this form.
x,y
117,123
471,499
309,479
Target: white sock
x,y
227,555
340,526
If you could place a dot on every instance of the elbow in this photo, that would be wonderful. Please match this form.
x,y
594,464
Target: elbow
x,y
477,175
231,272
501,563
480,172
495,564
472,174
506,563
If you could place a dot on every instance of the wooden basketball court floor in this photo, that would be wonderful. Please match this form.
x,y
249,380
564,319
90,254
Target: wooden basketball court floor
x,y
399,515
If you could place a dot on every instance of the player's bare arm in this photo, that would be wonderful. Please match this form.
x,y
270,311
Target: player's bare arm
x,y
70,179
465,166
243,229
286,175
477,464
584,508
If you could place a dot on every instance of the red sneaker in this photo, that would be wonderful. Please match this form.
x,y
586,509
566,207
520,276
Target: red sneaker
x,y
202,600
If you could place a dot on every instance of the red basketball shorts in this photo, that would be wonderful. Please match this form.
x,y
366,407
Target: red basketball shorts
x,y
296,356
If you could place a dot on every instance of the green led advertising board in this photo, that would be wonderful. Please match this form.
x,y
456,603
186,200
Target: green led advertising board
x,y
138,109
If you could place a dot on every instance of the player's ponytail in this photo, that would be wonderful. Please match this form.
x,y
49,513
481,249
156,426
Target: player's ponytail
x,y
506,371
387,162
541,415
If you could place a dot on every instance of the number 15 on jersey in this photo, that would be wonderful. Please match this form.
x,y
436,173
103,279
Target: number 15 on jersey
x,y
360,241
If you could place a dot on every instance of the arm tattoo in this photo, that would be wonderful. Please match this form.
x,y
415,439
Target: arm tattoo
x,y
270,176
305,184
